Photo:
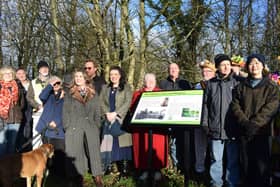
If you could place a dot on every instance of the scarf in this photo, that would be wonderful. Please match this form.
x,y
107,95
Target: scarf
x,y
8,97
82,96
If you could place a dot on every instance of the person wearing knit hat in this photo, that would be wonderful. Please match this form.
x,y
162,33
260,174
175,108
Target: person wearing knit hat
x,y
255,57
217,100
220,58
32,96
254,105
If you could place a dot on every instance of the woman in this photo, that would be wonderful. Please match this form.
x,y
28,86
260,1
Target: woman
x,y
50,122
140,137
11,103
254,105
115,101
81,116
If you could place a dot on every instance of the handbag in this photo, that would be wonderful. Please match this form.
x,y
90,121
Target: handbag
x,y
115,129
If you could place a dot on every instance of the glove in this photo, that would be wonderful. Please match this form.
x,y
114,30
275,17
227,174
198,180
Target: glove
x,y
250,129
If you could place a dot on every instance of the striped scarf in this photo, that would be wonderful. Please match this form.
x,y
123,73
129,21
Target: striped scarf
x,y
8,97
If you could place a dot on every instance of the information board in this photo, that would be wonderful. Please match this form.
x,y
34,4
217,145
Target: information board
x,y
169,108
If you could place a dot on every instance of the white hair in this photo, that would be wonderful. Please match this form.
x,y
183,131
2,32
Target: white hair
x,y
149,76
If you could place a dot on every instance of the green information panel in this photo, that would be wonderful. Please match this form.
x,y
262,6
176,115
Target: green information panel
x,y
169,108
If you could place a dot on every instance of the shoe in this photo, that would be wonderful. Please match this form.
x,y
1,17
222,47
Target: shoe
x,y
157,176
144,176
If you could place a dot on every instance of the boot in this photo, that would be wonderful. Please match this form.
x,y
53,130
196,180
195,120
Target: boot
x,y
98,181
124,168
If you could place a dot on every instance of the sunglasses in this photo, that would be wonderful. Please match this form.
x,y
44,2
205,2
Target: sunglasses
x,y
57,83
87,68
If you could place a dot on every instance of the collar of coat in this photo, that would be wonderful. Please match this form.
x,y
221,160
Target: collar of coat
x,y
260,84
75,93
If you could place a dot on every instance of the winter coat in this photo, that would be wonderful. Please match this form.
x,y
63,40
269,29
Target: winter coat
x,y
123,100
216,102
254,108
52,112
179,84
81,123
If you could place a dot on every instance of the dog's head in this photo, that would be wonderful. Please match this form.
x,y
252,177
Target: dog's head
x,y
48,149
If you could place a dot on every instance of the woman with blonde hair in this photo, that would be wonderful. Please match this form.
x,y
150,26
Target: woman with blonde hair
x,y
81,120
11,103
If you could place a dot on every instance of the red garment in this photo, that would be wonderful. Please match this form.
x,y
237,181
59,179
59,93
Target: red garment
x,y
140,142
8,97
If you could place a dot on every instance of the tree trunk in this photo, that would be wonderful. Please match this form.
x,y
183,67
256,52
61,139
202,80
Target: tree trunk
x,y
58,57
143,43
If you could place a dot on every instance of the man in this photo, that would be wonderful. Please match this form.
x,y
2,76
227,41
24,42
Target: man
x,y
208,71
217,99
236,64
90,68
254,105
175,82
33,92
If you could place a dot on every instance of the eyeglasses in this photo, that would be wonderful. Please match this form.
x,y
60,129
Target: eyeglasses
x,y
87,68
57,83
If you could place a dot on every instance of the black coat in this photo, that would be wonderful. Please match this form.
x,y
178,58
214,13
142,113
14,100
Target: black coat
x,y
216,102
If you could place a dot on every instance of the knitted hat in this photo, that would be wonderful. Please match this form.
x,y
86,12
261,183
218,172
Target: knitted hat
x,y
260,58
219,58
237,60
207,64
42,64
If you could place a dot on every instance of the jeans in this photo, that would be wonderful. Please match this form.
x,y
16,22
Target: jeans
x,y
216,167
232,168
233,164
8,137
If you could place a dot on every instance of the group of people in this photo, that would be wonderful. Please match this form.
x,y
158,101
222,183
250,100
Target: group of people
x,y
85,119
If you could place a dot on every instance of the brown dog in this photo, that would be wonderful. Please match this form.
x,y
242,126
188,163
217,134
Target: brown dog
x,y
25,165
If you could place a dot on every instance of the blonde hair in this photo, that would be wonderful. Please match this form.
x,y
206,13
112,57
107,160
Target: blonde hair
x,y
7,69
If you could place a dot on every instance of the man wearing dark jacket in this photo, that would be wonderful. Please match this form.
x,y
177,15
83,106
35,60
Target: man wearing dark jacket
x,y
255,103
175,82
217,99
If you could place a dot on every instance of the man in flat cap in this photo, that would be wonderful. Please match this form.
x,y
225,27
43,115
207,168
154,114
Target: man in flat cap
x,y
33,92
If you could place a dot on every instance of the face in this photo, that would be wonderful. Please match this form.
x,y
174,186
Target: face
x,y
90,69
115,76
207,73
174,70
57,86
79,79
21,75
225,67
255,68
150,83
44,71
8,76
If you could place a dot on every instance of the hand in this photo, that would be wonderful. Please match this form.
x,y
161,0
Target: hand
x,y
52,124
111,116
